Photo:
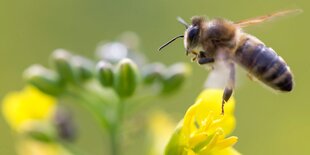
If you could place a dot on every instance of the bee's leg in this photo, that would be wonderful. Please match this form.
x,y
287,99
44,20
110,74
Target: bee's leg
x,y
230,85
203,59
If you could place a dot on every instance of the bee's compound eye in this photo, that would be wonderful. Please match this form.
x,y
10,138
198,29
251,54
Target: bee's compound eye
x,y
192,32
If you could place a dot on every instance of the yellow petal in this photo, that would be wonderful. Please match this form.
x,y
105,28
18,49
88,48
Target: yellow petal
x,y
230,141
211,100
212,142
27,105
206,123
197,138
188,122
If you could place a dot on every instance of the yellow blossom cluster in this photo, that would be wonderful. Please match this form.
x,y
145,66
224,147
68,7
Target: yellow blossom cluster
x,y
203,130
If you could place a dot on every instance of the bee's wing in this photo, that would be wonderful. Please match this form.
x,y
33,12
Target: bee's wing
x,y
261,19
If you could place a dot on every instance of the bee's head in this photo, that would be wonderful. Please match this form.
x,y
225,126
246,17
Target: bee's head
x,y
191,35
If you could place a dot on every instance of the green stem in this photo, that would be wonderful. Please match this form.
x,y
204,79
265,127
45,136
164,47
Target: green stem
x,y
87,102
93,102
120,111
116,128
114,140
138,103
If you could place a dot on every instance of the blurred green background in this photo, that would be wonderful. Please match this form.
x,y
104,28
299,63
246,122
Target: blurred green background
x,y
267,123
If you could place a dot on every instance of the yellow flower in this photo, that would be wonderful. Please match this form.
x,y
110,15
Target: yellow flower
x,y
203,129
30,105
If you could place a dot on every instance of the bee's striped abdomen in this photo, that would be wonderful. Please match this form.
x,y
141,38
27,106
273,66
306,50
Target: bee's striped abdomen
x,y
265,65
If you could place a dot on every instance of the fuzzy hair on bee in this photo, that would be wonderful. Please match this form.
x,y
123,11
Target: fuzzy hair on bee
x,y
210,41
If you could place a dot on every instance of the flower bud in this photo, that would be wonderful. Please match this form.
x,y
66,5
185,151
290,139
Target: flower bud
x,y
174,77
105,73
152,72
44,79
83,67
126,78
61,61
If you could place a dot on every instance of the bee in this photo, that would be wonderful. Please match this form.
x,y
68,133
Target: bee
x,y
219,39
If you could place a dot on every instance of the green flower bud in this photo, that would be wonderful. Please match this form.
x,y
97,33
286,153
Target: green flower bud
x,y
153,72
61,61
126,78
174,77
83,67
105,73
45,80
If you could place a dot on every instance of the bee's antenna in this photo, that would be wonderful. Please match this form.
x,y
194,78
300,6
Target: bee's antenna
x,y
170,41
182,21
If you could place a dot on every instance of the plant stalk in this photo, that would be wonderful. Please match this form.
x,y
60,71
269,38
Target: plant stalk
x,y
115,129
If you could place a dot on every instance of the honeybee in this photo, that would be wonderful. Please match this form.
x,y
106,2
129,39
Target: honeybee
x,y
223,40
